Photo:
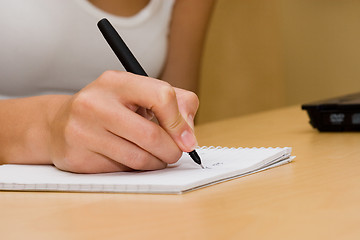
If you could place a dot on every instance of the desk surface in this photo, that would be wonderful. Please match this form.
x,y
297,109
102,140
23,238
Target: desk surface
x,y
315,197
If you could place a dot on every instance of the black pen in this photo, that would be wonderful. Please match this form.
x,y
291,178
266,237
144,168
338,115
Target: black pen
x,y
128,60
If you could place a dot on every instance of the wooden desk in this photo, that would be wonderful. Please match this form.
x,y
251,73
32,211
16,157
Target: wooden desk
x,y
315,197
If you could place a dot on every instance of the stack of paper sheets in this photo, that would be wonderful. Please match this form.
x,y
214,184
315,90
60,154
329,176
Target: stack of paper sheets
x,y
220,164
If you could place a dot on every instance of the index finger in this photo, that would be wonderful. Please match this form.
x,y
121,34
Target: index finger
x,y
160,98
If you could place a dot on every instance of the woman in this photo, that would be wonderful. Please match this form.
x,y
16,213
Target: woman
x,y
52,52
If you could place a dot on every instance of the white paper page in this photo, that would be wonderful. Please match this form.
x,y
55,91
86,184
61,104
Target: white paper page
x,y
185,174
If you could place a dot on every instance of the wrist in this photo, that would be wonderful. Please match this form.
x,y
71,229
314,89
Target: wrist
x,y
25,129
53,109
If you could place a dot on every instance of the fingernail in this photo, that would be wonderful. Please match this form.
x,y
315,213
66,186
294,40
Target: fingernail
x,y
150,114
189,140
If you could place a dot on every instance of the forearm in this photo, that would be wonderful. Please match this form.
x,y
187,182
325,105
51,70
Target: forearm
x,y
24,129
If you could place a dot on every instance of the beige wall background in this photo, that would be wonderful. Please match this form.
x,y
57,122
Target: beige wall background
x,y
263,54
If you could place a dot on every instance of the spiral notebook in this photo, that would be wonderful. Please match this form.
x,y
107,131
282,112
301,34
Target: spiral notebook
x,y
221,164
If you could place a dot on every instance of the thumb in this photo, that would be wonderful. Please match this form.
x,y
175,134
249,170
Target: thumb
x,y
188,104
181,132
161,98
171,120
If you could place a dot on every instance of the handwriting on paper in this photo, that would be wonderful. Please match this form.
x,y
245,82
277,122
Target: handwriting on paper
x,y
218,164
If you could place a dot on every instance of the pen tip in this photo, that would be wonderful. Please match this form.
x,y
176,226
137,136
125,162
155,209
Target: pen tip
x,y
193,154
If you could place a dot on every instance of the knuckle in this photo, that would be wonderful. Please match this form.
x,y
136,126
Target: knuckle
x,y
151,134
175,156
139,165
190,99
176,123
166,94
137,160
83,103
110,77
193,99
109,74
70,162
73,165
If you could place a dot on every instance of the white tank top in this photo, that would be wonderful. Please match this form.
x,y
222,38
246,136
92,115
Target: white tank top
x,y
54,46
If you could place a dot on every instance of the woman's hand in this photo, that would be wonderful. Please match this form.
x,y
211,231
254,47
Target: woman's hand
x,y
105,127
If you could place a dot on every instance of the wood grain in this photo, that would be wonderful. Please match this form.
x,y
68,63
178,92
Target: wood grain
x,y
315,197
